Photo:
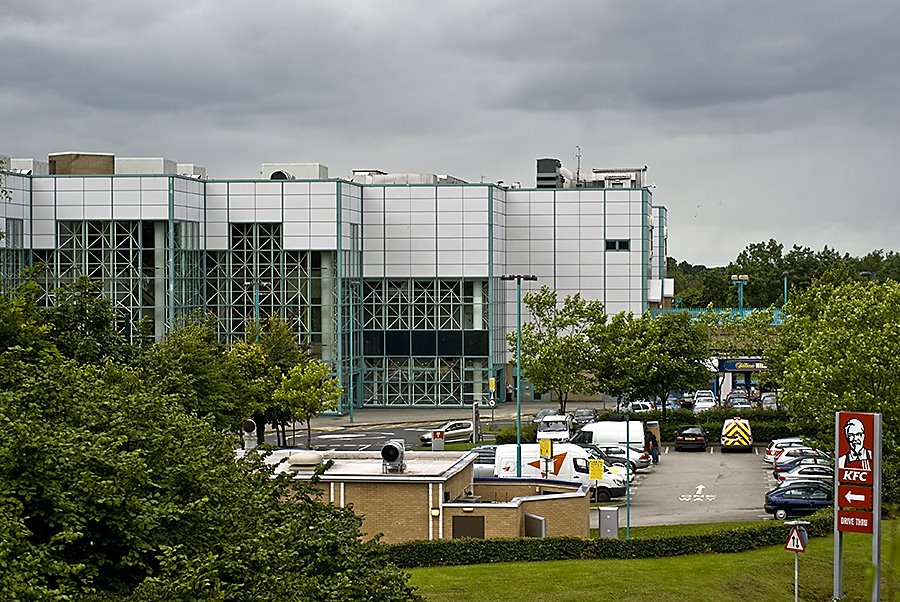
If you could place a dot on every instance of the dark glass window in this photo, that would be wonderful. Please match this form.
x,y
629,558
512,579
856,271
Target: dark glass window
x,y
618,245
476,343
424,342
396,342
373,342
450,343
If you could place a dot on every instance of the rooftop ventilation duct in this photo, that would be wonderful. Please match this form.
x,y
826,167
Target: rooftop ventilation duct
x,y
280,174
393,456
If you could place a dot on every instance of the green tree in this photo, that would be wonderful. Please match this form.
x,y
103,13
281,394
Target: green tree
x,y
283,351
308,390
556,350
83,323
192,367
840,350
108,491
658,355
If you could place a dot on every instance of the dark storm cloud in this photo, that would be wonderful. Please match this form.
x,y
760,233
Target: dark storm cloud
x,y
781,115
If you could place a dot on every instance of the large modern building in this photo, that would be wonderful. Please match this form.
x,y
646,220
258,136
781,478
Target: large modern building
x,y
393,278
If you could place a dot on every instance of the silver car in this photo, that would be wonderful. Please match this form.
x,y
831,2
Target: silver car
x,y
455,431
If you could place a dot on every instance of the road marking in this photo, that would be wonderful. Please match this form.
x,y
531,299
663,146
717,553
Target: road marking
x,y
710,451
365,447
667,450
700,489
344,436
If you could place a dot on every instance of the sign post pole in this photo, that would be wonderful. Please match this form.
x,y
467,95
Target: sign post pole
x,y
857,505
796,543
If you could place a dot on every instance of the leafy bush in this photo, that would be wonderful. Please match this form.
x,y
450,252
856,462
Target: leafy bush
x,y
507,434
450,552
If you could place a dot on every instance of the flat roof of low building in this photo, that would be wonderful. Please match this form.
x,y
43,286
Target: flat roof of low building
x,y
369,466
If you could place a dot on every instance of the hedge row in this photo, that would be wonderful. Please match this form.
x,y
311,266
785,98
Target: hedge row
x,y
454,552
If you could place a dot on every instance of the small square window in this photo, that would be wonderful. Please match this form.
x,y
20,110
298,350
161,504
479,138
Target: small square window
x,y
618,245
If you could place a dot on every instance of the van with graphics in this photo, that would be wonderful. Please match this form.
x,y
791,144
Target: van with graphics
x,y
736,435
569,463
612,432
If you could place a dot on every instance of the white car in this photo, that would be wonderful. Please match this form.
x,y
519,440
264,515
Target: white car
x,y
704,394
555,428
704,404
638,407
809,471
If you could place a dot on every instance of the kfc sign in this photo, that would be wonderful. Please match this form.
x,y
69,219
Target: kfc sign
x,y
856,461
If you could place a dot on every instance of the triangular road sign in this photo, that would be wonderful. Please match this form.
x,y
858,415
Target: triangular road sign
x,y
794,541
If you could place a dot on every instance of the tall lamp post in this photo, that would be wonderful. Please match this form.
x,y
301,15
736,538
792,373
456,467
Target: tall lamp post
x,y
740,281
869,275
256,283
518,278
784,275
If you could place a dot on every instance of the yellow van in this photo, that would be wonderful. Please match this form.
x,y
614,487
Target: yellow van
x,y
736,435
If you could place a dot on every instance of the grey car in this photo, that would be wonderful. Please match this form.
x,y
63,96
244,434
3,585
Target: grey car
x,y
455,431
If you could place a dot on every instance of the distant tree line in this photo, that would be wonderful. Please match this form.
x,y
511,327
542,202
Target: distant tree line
x,y
765,263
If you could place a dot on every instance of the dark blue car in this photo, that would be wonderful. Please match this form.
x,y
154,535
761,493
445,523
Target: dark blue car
x,y
798,500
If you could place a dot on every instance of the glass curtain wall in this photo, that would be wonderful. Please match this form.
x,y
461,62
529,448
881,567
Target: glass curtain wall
x,y
425,342
257,276
130,258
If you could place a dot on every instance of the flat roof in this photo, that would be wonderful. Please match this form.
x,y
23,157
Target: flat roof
x,y
368,465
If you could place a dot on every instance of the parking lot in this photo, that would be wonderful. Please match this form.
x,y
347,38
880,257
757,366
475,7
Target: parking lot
x,y
700,487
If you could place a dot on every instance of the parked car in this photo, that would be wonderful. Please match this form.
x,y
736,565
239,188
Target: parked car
x,y
737,398
638,458
583,416
556,427
637,407
455,431
704,404
544,412
776,445
740,403
768,401
800,499
690,437
789,454
704,394
810,471
802,461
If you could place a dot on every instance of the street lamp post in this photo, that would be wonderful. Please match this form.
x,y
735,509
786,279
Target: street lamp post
x,y
869,275
740,281
785,275
255,283
518,278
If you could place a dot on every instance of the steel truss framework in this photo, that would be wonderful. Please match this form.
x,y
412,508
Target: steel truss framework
x,y
394,305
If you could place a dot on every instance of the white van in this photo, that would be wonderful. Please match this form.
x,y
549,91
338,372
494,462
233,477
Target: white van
x,y
555,428
612,432
569,463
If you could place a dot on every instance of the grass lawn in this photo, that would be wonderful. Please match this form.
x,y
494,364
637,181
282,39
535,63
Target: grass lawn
x,y
765,574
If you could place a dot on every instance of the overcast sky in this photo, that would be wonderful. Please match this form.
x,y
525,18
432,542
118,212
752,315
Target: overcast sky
x,y
758,120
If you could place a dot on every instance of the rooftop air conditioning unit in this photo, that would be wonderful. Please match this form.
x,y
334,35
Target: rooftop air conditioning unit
x,y
305,461
393,456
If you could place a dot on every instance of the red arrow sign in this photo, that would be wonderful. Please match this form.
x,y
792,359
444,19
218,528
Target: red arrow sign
x,y
854,497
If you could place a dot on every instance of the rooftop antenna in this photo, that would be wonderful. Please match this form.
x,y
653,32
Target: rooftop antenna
x,y
577,166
